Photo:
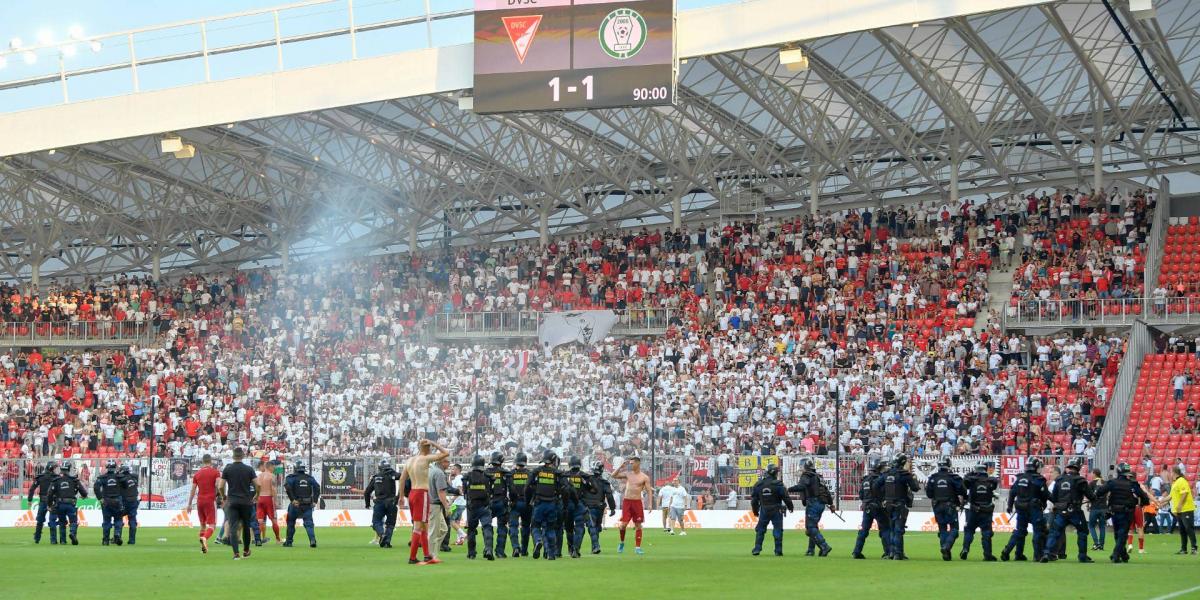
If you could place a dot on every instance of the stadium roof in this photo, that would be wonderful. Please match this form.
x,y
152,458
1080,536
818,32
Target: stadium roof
x,y
1017,97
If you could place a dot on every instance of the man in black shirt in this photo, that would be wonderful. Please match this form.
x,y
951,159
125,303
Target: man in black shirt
x,y
240,494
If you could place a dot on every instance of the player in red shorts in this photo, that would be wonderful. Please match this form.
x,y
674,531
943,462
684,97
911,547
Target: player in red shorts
x,y
204,491
637,486
417,470
266,501
1138,525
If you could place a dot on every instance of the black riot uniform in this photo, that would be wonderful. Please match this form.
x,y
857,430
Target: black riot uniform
x,y
872,512
769,501
42,485
598,494
108,491
814,494
576,513
382,486
130,501
543,492
1070,490
303,493
1124,495
520,510
1028,495
501,484
981,504
894,489
477,489
65,491
946,491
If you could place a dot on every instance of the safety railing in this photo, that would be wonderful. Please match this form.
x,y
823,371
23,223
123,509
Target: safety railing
x,y
1102,312
49,333
73,66
526,323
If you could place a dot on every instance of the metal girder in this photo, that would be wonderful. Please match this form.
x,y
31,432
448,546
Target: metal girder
x,y
1154,43
954,107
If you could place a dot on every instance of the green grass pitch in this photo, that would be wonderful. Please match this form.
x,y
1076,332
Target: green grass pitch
x,y
167,563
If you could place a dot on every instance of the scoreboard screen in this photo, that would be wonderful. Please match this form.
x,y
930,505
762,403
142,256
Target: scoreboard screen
x,y
573,54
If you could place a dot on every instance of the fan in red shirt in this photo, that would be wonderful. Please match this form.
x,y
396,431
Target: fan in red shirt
x,y
205,482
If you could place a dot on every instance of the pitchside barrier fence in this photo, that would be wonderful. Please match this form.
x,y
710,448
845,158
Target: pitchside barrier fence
x,y
166,482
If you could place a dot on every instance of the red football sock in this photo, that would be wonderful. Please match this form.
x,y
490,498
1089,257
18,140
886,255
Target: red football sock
x,y
637,538
622,535
413,544
425,542
1129,542
1141,543
275,528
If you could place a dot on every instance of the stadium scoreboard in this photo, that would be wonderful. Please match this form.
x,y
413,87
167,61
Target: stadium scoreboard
x,y
573,54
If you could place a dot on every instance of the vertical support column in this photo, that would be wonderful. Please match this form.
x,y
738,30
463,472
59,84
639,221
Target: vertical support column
x,y
156,266
285,251
1098,148
412,237
953,180
544,224
676,209
35,278
814,192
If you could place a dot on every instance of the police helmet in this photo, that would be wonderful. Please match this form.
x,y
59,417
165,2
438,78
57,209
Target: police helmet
x,y
809,465
944,463
1124,469
385,464
521,459
299,467
110,465
477,462
1075,463
1032,465
574,462
497,458
65,467
549,457
597,468
125,469
900,462
772,470
50,467
876,465
981,468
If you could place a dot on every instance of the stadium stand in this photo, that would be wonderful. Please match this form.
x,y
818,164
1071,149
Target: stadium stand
x,y
1163,424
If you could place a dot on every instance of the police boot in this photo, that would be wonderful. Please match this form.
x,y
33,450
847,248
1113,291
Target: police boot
x,y
963,555
1086,559
989,558
74,540
104,541
946,554
537,550
488,555
37,535
575,553
1004,554
810,552
117,540
825,550
858,556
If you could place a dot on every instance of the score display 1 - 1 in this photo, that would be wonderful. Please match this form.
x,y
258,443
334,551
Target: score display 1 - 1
x,y
572,54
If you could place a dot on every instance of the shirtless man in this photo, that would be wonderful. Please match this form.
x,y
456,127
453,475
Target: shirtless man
x,y
417,470
266,500
637,485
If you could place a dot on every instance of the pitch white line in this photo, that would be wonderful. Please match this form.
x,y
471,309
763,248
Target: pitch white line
x,y
1177,594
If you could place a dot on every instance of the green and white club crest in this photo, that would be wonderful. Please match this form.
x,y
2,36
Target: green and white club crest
x,y
623,33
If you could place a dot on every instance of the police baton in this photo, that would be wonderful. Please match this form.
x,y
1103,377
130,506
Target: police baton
x,y
834,513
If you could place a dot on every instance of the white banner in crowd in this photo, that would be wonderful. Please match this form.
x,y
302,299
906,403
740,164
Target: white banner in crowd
x,y
586,327
695,519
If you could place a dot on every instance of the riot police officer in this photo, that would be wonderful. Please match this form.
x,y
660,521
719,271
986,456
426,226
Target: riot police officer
x,y
769,502
520,511
1070,490
383,486
872,511
477,489
1029,495
815,496
499,502
576,513
42,485
1123,494
108,492
946,491
981,503
129,502
598,494
895,488
566,499
65,492
545,486
303,494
